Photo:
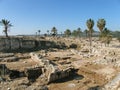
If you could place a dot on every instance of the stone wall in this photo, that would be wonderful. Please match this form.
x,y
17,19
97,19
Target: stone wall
x,y
15,43
51,71
21,43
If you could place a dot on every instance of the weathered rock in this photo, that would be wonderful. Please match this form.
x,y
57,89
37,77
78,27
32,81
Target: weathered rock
x,y
27,44
113,84
2,44
3,70
10,59
3,55
73,45
52,71
15,43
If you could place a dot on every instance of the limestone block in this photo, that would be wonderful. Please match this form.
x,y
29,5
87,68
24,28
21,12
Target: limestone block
x,y
113,84
3,55
7,44
15,43
2,44
27,44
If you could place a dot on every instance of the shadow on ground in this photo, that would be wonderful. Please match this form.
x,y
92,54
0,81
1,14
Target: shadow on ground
x,y
70,78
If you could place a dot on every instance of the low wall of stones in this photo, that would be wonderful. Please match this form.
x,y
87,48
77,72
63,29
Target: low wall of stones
x,y
61,74
20,43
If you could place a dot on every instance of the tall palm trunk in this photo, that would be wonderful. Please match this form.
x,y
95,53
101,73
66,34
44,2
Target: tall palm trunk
x,y
6,33
100,36
90,39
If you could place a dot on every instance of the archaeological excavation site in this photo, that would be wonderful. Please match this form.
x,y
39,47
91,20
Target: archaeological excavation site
x,y
58,63
59,44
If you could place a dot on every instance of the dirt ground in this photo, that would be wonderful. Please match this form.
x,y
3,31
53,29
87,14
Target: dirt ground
x,y
77,81
87,77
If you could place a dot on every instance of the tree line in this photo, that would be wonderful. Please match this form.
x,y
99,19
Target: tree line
x,y
105,34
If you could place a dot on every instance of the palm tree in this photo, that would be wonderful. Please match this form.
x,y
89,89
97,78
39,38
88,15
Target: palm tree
x,y
109,38
86,32
105,36
6,24
39,32
36,34
67,33
101,24
105,32
48,32
79,32
74,33
90,24
54,31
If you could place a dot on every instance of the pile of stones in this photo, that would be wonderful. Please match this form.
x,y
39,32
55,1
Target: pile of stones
x,y
51,71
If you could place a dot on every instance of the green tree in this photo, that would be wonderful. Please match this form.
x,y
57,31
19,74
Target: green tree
x,y
106,36
105,32
101,24
79,32
109,39
74,33
67,33
6,24
86,32
90,24
39,32
54,31
48,32
36,34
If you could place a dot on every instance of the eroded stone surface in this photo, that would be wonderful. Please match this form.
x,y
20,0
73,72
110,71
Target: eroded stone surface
x,y
52,71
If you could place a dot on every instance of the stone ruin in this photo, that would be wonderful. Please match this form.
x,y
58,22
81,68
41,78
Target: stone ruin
x,y
7,57
7,74
33,73
45,70
25,44
113,84
11,57
50,70
3,70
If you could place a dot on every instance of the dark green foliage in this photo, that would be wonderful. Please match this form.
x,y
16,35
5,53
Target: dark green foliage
x,y
54,31
101,24
67,33
106,36
74,33
39,32
77,33
86,33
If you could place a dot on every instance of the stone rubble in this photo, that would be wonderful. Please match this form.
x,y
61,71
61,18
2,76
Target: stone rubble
x,y
113,84
51,71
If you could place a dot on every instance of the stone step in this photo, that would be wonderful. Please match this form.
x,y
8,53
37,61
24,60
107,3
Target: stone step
x,y
9,59
3,55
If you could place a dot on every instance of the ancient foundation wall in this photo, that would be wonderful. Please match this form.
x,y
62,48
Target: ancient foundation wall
x,y
20,43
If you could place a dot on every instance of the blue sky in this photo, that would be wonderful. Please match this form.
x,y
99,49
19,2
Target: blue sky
x,y
28,16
